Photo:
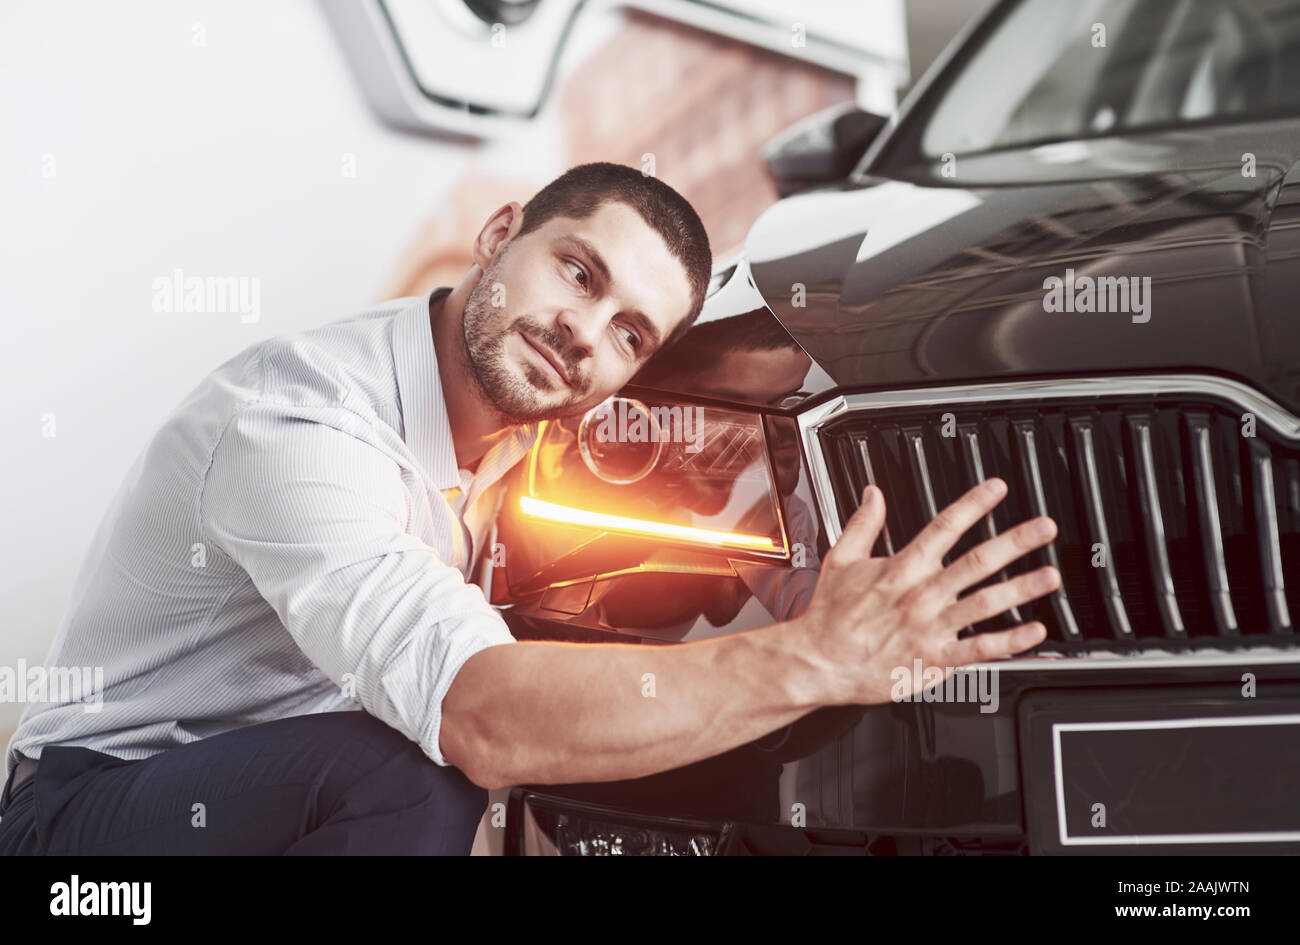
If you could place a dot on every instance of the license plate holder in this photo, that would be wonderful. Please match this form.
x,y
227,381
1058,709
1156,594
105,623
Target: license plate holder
x,y
1165,770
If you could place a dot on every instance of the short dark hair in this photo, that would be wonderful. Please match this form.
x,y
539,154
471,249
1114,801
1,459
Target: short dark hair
x,y
580,191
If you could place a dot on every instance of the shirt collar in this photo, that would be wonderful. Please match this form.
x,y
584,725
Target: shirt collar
x,y
425,424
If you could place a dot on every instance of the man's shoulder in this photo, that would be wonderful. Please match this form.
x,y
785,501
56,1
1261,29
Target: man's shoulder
x,y
341,367
347,361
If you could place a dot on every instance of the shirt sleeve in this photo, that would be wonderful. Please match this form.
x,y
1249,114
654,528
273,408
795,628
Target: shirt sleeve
x,y
316,514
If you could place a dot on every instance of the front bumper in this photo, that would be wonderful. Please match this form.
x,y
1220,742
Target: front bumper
x,y
945,778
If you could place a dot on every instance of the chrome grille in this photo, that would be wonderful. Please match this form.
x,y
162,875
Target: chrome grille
x,y
1175,527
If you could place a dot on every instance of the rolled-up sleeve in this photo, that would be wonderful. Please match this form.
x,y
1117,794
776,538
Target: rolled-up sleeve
x,y
316,513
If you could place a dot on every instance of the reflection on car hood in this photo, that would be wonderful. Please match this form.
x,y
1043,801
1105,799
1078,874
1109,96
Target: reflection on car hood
x,y
938,279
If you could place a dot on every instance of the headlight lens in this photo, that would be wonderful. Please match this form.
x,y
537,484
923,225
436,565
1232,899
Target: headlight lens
x,y
670,472
621,461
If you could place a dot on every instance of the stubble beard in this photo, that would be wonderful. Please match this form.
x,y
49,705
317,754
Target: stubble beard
x,y
486,327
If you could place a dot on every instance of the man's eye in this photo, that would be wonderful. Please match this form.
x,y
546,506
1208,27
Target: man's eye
x,y
633,339
578,272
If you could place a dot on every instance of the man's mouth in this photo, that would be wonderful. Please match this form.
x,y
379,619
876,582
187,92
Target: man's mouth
x,y
551,360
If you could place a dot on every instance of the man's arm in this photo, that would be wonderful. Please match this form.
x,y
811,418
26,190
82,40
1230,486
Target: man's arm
x,y
545,713
313,507
539,712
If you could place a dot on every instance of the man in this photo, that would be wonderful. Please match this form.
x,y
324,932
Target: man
x,y
293,659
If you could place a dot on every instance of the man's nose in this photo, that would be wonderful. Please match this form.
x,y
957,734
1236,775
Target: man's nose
x,y
582,329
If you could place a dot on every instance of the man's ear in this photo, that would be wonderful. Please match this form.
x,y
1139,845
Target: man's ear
x,y
499,229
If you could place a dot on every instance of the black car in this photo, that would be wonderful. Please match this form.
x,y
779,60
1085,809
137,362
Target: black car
x,y
1073,261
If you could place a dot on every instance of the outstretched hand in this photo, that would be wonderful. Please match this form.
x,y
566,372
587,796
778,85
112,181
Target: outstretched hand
x,y
870,615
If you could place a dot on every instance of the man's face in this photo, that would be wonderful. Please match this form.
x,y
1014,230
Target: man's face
x,y
565,315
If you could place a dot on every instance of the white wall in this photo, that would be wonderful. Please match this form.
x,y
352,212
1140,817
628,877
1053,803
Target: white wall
x,y
219,160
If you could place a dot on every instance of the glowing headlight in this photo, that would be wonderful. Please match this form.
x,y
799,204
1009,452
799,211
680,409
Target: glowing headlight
x,y
672,472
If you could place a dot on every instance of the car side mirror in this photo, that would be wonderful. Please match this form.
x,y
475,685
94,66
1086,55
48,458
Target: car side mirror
x,y
821,149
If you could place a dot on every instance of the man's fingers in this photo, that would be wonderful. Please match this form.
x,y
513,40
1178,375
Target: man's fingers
x,y
937,538
994,646
863,527
989,557
996,598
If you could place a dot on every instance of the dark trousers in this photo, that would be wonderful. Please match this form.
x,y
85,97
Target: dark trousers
x,y
330,783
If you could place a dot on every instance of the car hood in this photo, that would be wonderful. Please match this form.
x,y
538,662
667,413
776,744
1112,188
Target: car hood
x,y
947,276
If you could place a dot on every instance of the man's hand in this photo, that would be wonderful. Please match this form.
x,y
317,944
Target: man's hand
x,y
870,615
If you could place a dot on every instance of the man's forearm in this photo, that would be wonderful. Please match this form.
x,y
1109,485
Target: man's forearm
x,y
543,712
561,712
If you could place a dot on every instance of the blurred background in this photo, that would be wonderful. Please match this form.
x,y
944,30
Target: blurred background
x,y
335,153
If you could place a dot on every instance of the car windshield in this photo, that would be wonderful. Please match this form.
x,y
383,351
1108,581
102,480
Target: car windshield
x,y
1053,71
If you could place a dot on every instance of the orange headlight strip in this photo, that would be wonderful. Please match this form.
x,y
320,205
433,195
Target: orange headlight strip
x,y
639,526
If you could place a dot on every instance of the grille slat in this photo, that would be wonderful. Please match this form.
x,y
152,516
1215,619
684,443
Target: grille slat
x,y
869,472
973,466
1095,510
1207,508
1032,477
1144,480
921,472
1199,520
1270,545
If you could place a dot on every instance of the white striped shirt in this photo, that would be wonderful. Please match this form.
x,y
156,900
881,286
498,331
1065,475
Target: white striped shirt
x,y
297,531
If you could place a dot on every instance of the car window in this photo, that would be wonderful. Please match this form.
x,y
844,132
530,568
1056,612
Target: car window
x,y
1052,71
